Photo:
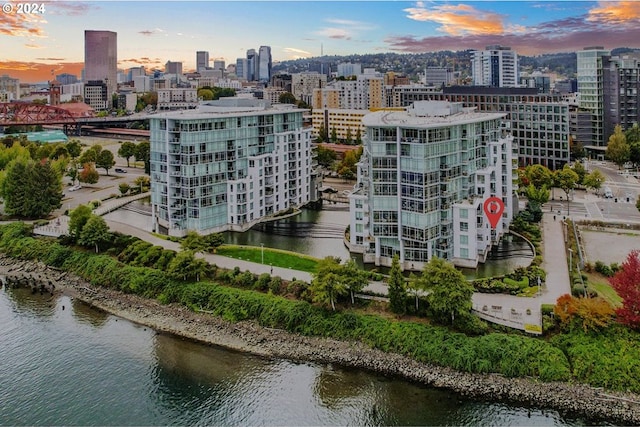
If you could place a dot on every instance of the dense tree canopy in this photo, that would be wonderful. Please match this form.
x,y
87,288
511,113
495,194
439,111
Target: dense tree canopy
x,y
31,189
77,219
328,283
396,288
618,150
95,232
449,293
105,160
127,150
626,282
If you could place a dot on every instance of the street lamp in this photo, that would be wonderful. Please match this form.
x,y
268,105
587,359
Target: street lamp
x,y
262,251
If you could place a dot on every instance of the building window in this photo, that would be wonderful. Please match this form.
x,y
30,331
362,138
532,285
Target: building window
x,y
464,226
464,239
464,253
464,213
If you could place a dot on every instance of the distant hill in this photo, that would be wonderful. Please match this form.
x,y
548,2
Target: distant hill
x,y
413,63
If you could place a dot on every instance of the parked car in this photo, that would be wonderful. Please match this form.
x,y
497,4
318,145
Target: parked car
x,y
608,193
75,187
120,170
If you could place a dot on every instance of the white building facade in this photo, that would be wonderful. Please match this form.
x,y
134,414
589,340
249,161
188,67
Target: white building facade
x,y
227,166
422,182
497,66
177,98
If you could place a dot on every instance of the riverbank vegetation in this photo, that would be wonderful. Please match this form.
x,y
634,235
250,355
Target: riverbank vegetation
x,y
566,355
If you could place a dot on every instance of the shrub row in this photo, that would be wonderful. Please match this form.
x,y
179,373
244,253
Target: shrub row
x,y
508,355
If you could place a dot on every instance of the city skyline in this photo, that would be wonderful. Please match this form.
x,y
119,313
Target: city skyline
x,y
36,46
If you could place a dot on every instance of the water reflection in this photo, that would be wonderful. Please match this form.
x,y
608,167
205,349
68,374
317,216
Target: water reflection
x,y
26,301
84,313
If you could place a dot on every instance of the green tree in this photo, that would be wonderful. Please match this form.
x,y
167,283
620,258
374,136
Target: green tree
x,y
358,136
205,94
142,184
31,189
74,148
186,266
579,169
325,156
328,282
348,168
354,278
449,293
415,286
322,134
88,174
334,136
59,151
287,98
213,241
105,160
594,179
618,150
577,149
396,288
127,150
349,138
95,232
538,175
77,220
142,154
90,155
124,188
193,242
44,151
565,179
537,195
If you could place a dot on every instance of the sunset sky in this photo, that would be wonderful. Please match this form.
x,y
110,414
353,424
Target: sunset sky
x,y
32,46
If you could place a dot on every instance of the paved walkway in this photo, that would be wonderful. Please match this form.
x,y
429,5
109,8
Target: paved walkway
x,y
506,309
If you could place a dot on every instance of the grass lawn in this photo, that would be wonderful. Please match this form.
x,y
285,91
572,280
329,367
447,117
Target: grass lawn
x,y
275,257
599,283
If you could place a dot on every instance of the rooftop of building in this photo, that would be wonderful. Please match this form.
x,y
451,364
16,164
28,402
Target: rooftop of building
x,y
47,136
234,106
428,114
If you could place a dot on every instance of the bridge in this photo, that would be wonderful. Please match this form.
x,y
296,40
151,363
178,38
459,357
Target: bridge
x,y
29,114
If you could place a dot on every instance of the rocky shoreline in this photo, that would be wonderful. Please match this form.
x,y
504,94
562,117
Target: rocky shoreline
x,y
579,399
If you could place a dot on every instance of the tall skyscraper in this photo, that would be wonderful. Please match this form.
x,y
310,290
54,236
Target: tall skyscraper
x,y
252,65
101,58
264,64
497,66
173,67
202,60
590,88
241,68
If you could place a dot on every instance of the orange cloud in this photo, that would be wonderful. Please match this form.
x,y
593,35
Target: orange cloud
x,y
33,72
461,19
21,24
619,12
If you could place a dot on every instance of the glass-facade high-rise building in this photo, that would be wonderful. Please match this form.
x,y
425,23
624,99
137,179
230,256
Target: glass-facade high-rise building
x,y
591,90
101,58
422,181
264,64
227,166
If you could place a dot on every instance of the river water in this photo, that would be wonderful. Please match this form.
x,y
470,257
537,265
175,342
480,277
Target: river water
x,y
65,363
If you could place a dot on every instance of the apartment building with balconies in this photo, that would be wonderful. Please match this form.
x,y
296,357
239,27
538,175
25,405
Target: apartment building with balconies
x,y
228,165
422,181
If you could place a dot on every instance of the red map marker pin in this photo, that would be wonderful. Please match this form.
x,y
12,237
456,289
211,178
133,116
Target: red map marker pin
x,y
493,208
